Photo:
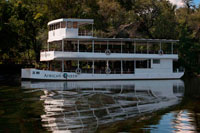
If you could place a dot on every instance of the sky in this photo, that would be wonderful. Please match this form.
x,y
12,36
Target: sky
x,y
179,3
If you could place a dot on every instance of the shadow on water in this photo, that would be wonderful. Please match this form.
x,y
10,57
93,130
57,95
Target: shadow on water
x,y
100,106
20,111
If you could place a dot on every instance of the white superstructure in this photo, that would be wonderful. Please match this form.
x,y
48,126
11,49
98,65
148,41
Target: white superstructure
x,y
72,53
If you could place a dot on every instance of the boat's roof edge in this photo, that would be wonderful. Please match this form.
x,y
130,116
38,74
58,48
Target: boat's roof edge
x,y
81,21
125,39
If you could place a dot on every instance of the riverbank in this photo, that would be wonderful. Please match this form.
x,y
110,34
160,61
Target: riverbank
x,y
11,73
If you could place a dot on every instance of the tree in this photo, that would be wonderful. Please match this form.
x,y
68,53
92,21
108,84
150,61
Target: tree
x,y
19,28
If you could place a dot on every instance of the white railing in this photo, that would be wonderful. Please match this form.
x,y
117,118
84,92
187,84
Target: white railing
x,y
84,33
179,70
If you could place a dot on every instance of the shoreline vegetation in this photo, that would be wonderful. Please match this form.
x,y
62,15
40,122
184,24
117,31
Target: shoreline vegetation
x,y
23,26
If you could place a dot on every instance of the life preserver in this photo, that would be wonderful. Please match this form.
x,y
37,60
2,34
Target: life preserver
x,y
107,52
160,52
78,71
108,71
65,75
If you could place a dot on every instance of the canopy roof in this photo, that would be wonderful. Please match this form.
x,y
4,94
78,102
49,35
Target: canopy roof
x,y
80,21
126,40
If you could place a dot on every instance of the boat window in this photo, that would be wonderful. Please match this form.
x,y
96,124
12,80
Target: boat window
x,y
69,24
75,25
63,24
156,61
57,25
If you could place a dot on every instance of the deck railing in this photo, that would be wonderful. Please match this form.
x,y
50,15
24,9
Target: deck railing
x,y
84,33
113,51
179,70
90,71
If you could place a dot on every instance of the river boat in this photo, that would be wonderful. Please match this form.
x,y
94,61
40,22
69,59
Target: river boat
x,y
72,53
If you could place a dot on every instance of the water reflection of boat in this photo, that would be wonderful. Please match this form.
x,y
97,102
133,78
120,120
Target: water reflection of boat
x,y
83,106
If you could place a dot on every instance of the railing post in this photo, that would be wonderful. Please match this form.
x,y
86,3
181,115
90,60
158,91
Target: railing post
x,y
147,48
172,48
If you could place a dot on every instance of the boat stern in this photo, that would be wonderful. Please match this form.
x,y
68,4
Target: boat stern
x,y
26,73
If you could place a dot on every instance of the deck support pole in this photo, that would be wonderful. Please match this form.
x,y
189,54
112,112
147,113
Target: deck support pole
x,y
134,47
121,47
78,64
92,46
107,64
62,51
93,67
62,45
92,30
134,65
160,46
48,65
147,48
62,65
172,48
48,46
78,46
121,67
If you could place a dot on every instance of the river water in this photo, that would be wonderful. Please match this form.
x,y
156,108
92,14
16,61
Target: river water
x,y
101,106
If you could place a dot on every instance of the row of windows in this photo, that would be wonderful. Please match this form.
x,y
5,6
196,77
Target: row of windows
x,y
156,61
64,24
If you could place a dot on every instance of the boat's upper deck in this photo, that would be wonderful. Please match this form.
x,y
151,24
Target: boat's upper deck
x,y
69,28
68,39
110,48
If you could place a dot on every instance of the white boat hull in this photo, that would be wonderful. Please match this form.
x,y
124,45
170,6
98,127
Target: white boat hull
x,y
52,75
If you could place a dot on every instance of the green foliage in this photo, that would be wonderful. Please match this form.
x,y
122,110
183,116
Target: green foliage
x,y
19,29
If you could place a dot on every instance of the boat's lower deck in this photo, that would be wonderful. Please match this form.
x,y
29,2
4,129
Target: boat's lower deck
x,y
52,75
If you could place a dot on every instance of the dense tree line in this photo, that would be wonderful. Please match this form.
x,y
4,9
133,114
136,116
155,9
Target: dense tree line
x,y
23,24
